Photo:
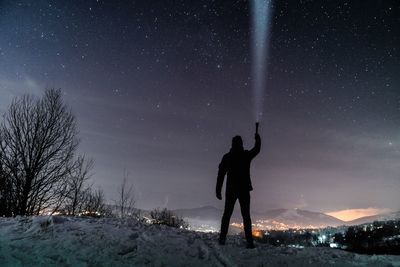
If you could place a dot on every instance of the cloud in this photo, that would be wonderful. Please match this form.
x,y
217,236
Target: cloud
x,y
11,88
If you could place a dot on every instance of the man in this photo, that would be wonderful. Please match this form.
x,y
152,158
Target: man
x,y
236,164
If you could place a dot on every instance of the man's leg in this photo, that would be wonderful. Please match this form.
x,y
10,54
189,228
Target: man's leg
x,y
244,200
228,210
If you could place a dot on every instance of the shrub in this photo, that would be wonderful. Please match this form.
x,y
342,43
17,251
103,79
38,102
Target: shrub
x,y
167,217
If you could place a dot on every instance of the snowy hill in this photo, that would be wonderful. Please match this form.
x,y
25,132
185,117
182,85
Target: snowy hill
x,y
381,217
66,241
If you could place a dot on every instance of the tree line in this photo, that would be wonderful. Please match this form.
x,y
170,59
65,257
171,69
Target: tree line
x,y
379,237
40,170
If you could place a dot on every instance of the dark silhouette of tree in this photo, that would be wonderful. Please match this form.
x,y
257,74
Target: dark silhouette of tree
x,y
8,170
126,201
95,203
380,237
5,190
167,217
79,174
38,141
339,238
351,237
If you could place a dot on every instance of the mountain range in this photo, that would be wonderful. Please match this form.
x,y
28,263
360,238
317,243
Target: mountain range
x,y
379,217
278,218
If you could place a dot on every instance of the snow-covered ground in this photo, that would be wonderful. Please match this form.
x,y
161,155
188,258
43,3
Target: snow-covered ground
x,y
66,241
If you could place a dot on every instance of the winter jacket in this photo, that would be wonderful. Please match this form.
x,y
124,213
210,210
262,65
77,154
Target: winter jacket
x,y
236,164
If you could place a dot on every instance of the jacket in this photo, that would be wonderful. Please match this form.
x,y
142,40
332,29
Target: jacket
x,y
236,165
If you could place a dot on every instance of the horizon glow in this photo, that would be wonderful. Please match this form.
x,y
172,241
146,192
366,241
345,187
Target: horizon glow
x,y
353,214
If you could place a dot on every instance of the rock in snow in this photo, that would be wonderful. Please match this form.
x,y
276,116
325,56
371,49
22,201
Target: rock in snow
x,y
74,241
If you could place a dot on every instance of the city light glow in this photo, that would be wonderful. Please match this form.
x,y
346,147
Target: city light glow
x,y
352,214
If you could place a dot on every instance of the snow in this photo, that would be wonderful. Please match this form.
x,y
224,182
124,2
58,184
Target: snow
x,y
77,241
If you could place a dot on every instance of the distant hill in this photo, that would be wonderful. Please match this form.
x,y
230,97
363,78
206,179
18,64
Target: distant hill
x,y
202,213
299,218
276,218
380,217
270,218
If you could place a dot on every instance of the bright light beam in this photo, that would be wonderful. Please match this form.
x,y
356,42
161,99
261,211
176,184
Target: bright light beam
x,y
261,28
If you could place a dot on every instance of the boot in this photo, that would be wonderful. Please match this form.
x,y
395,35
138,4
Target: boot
x,y
250,245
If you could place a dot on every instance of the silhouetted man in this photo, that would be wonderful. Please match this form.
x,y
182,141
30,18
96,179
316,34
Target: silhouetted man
x,y
236,164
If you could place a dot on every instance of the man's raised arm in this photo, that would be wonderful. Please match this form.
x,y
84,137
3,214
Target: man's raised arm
x,y
257,146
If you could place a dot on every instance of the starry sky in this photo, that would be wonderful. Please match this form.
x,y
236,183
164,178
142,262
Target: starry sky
x,y
159,88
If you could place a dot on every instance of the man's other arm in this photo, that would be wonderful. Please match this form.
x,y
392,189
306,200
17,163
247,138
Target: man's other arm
x,y
222,169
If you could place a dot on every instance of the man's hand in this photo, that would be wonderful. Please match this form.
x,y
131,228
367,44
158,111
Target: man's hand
x,y
219,196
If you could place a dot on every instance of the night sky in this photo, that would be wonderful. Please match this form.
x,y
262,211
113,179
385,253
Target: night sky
x,y
160,87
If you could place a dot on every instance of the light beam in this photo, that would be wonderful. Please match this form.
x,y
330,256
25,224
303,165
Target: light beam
x,y
261,27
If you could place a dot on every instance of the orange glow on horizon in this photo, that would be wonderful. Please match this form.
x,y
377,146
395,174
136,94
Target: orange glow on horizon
x,y
352,214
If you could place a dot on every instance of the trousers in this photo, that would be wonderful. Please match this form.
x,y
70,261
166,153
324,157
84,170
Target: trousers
x,y
244,201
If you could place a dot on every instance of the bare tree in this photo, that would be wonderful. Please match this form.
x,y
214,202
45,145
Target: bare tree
x,y
168,217
77,188
94,202
5,190
126,201
37,145
7,183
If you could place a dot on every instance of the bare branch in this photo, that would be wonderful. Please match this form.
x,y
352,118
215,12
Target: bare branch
x,y
38,142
